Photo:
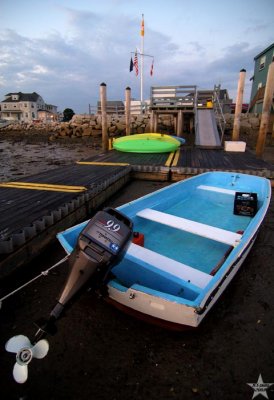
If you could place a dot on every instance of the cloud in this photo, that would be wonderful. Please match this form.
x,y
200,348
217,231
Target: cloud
x,y
95,49
66,68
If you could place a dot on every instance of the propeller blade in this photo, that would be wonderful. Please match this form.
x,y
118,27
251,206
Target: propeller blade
x,y
40,349
20,373
17,343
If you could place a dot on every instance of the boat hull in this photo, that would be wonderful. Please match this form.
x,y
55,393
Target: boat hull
x,y
189,256
157,311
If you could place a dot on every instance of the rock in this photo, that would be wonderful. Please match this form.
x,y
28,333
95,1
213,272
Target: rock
x,y
140,129
87,131
121,126
254,122
112,129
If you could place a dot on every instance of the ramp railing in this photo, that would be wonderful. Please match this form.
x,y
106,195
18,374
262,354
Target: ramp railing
x,y
219,115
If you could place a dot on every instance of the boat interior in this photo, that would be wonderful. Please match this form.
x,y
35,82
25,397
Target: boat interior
x,y
191,235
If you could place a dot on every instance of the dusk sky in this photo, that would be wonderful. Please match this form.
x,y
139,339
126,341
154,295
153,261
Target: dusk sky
x,y
64,49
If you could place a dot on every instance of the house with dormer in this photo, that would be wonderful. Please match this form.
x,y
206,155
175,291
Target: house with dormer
x,y
26,107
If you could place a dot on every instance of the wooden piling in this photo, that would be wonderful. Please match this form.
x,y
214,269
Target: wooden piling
x,y
179,127
127,110
238,107
103,98
265,119
153,121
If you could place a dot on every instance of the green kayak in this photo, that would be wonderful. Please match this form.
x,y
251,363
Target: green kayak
x,y
146,143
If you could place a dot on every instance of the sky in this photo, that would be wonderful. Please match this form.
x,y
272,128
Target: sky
x,y
64,49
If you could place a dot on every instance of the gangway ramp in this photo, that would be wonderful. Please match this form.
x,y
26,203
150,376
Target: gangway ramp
x,y
207,134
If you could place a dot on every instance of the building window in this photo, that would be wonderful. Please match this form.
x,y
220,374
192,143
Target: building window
x,y
262,63
25,105
26,115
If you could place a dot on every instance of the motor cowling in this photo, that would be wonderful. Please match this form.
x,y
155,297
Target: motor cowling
x,y
100,245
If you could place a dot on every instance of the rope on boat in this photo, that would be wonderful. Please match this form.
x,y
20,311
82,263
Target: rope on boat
x,y
43,273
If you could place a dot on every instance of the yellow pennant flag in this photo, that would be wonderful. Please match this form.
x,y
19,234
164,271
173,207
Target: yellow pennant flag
x,y
143,26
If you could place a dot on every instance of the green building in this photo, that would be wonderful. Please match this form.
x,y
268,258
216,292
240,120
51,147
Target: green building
x,y
262,62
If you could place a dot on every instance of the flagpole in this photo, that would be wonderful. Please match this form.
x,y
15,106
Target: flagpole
x,y
142,59
134,64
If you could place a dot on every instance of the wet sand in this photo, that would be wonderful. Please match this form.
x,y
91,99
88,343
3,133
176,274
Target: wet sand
x,y
25,157
100,353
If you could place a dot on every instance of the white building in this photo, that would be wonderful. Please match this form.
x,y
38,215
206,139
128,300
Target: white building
x,y
26,107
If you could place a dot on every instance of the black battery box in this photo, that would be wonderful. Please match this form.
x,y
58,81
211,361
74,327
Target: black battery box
x,y
245,204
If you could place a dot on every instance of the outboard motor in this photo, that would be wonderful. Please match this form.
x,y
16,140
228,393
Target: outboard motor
x,y
99,247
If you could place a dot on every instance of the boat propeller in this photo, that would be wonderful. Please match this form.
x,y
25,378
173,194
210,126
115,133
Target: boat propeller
x,y
99,247
25,352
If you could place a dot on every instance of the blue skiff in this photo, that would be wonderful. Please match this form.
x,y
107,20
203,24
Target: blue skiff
x,y
197,233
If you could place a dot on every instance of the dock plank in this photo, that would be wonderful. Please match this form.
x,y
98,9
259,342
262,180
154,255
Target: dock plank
x,y
219,159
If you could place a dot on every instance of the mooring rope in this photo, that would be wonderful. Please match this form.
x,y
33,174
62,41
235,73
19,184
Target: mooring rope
x,y
43,273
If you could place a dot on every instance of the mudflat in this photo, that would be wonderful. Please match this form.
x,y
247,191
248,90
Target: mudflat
x,y
101,353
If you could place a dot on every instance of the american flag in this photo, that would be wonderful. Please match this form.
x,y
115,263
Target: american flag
x,y
135,63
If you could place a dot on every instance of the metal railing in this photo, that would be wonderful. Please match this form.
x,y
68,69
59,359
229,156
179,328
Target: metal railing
x,y
119,110
173,96
219,115
203,97
135,109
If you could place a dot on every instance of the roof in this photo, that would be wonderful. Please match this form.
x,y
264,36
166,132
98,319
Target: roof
x,y
264,51
44,111
112,103
22,97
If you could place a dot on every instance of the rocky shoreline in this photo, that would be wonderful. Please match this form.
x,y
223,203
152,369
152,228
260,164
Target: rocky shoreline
x,y
89,128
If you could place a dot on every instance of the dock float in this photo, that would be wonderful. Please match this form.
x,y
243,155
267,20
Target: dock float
x,y
33,211
193,161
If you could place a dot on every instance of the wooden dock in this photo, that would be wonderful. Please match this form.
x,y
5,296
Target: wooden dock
x,y
33,211
185,162
193,161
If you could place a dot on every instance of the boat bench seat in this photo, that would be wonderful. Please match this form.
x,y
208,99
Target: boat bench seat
x,y
217,189
166,264
197,228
